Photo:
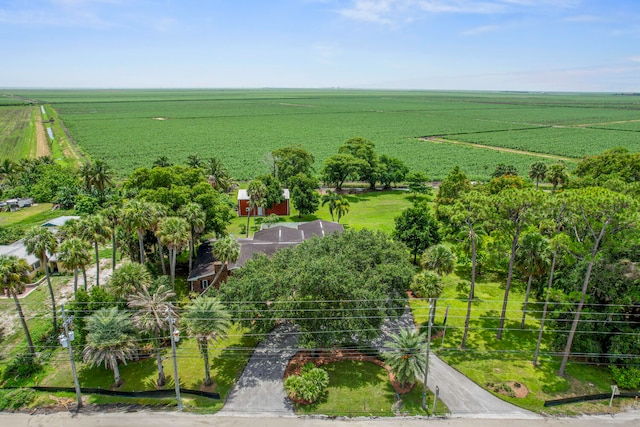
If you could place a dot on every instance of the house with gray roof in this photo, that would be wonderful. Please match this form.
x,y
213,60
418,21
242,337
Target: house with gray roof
x,y
266,241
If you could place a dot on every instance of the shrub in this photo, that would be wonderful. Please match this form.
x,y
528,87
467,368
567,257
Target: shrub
x,y
22,367
627,378
16,399
309,386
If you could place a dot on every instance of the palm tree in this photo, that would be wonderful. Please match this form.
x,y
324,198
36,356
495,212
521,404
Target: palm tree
x,y
14,274
532,259
217,173
406,357
557,175
73,254
196,217
428,284
207,319
152,318
338,204
158,212
109,340
174,234
538,172
226,250
257,192
128,279
102,175
113,215
162,162
440,259
138,216
41,242
95,229
330,197
194,161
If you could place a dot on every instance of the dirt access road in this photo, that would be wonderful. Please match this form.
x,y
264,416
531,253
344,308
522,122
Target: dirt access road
x,y
42,141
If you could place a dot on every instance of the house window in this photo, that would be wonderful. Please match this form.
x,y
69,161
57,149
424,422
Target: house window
x,y
205,284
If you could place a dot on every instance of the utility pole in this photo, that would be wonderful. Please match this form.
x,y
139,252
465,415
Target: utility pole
x,y
426,366
65,340
175,337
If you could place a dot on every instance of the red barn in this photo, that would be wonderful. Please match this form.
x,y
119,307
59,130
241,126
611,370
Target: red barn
x,y
279,209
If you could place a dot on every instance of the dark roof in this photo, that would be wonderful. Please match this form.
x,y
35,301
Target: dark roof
x,y
204,264
266,241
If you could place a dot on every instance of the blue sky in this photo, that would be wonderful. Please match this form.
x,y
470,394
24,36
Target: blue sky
x,y
538,45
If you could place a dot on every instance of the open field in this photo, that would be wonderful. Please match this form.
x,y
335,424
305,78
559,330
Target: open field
x,y
17,132
131,128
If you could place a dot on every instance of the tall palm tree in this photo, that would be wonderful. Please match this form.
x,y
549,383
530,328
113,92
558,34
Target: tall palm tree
x,y
557,175
113,215
137,216
128,279
174,234
196,217
207,319
532,259
440,259
257,192
162,162
217,174
226,250
73,254
14,274
95,229
330,197
538,172
406,357
158,213
110,339
102,175
152,318
338,204
41,242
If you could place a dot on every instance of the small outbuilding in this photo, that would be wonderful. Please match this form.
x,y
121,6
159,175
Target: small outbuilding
x,y
279,209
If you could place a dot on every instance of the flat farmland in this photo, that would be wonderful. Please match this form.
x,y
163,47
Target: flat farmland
x,y
131,128
17,132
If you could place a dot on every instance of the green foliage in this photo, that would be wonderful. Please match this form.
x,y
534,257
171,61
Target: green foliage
x,y
338,167
22,367
16,399
406,357
320,282
304,194
391,170
291,161
616,162
627,378
309,386
417,228
427,284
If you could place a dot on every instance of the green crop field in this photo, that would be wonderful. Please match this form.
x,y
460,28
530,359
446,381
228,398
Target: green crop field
x,y
17,132
131,128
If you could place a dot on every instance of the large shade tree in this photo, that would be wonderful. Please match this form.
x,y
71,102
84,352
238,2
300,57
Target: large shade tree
x,y
321,283
207,319
417,228
41,242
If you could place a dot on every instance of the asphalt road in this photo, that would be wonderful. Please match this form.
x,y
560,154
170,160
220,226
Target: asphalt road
x,y
177,419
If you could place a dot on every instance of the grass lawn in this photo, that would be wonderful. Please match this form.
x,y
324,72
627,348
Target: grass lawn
x,y
487,360
363,389
375,210
227,360
34,215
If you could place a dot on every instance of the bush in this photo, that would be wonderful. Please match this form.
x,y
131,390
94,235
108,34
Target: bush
x,y
22,367
627,378
309,386
16,399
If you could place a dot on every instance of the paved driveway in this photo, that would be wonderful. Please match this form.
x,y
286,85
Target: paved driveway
x,y
260,391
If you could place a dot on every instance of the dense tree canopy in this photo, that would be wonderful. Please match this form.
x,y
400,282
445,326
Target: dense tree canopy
x,y
337,289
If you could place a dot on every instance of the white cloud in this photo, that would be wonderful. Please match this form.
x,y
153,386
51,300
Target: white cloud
x,y
481,30
391,11
583,18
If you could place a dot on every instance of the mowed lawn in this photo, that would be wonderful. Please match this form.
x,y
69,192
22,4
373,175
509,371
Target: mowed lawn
x,y
487,360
